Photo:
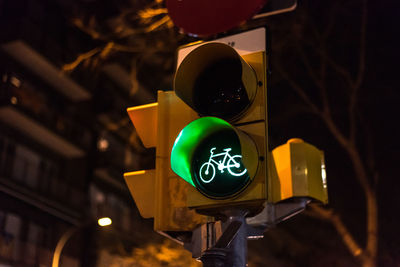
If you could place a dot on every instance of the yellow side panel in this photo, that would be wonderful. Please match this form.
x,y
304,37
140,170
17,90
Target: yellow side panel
x,y
141,184
171,211
283,186
317,187
258,110
144,118
298,170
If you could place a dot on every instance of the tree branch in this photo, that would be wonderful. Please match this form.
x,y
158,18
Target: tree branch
x,y
157,24
321,38
360,75
330,215
298,89
363,31
311,72
331,21
335,131
372,226
351,150
78,22
336,67
324,90
71,66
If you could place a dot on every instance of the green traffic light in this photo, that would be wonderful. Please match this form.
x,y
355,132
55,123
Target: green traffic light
x,y
217,167
187,141
208,154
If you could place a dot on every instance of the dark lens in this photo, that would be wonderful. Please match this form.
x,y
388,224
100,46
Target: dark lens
x,y
219,90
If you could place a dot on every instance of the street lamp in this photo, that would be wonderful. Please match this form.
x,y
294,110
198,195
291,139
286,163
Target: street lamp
x,y
105,221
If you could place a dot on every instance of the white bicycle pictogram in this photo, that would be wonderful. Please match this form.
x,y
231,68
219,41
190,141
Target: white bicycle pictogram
x,y
233,164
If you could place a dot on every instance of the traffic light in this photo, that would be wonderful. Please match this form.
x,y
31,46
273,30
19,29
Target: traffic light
x,y
211,139
223,154
161,194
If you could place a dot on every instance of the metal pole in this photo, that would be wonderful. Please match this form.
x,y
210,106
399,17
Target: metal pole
x,y
60,245
215,257
231,248
238,247
104,221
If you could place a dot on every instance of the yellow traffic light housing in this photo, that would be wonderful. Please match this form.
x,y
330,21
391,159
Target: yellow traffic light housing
x,y
224,154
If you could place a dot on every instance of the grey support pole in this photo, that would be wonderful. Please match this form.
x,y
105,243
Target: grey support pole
x,y
238,247
231,248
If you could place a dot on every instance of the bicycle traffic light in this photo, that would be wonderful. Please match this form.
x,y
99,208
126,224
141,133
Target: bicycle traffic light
x,y
161,193
208,155
223,154
211,140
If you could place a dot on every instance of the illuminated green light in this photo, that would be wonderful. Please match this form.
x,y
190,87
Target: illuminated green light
x,y
208,154
217,167
187,141
231,163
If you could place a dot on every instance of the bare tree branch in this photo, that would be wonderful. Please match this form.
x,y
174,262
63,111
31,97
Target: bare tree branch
x,y
107,50
372,226
126,48
114,126
150,13
330,215
157,24
298,89
324,89
133,76
360,75
336,66
321,38
71,66
78,22
363,31
331,21
310,70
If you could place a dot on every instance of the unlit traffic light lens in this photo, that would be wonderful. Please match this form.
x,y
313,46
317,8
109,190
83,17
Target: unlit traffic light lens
x,y
219,90
214,80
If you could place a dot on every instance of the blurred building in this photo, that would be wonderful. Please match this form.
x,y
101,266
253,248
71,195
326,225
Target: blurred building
x,y
64,141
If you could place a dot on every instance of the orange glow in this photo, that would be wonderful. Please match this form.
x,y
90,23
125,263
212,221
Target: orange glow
x,y
135,173
142,106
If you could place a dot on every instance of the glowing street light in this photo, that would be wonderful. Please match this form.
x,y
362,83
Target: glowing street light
x,y
105,221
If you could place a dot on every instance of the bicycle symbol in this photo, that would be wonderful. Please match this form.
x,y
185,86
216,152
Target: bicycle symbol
x,y
233,164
